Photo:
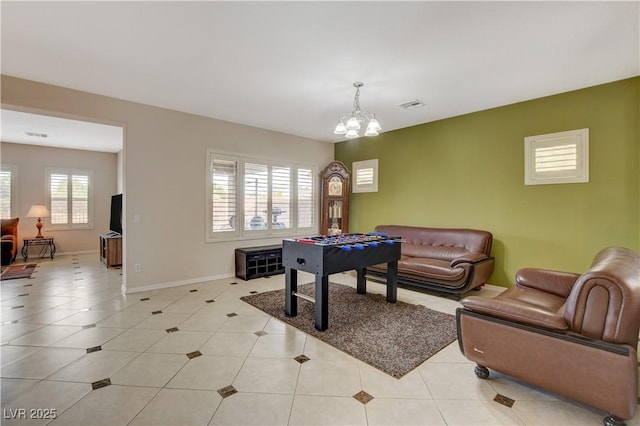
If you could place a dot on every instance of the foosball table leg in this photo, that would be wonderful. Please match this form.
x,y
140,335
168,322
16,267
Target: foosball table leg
x,y
361,287
291,286
322,302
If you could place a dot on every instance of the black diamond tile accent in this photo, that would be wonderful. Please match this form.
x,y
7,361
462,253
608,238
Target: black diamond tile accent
x,y
17,307
156,312
192,291
253,292
504,400
23,294
145,299
84,327
363,397
232,314
194,354
101,383
227,391
302,359
260,333
210,301
172,329
28,285
233,283
94,349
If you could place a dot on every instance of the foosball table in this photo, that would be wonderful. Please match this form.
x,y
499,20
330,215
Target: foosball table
x,y
324,255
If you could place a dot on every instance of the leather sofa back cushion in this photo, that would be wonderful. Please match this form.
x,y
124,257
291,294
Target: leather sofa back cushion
x,y
435,243
10,226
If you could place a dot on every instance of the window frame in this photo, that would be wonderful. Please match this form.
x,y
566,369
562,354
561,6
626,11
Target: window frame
x,y
13,193
579,138
69,225
240,233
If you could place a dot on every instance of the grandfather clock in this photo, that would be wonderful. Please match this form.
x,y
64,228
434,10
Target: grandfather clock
x,y
334,218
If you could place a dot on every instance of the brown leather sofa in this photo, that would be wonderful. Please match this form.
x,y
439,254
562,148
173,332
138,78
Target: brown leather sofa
x,y
575,335
447,260
9,240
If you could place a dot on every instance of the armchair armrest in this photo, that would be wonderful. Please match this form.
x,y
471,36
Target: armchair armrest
x,y
554,282
469,258
512,310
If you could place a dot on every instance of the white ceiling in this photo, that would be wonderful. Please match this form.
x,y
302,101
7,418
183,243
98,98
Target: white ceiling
x,y
289,66
19,127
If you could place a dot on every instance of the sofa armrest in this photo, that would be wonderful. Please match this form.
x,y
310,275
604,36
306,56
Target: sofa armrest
x,y
514,311
554,282
469,258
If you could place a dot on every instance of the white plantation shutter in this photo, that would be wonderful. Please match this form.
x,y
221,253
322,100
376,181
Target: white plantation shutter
x,y
256,196
365,175
252,197
306,200
561,157
59,188
280,197
79,199
70,198
223,194
7,191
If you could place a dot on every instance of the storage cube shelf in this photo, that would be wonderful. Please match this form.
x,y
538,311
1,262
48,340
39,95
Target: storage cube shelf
x,y
255,262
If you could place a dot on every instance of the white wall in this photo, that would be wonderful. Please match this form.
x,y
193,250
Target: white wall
x,y
164,177
31,188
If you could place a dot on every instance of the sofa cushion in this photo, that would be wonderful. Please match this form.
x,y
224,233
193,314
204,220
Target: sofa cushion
x,y
431,269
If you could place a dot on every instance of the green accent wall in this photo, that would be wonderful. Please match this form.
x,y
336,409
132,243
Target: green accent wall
x,y
468,172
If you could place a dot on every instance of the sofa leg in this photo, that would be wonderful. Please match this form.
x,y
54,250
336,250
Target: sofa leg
x,y
481,371
612,420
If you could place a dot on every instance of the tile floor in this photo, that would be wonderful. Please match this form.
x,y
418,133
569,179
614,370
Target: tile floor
x,y
75,351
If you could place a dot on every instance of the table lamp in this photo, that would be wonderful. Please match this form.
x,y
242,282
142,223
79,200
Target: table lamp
x,y
39,211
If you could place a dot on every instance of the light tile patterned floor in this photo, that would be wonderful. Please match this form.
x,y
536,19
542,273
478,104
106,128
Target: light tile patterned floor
x,y
75,350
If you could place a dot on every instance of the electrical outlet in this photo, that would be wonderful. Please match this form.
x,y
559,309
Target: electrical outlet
x,y
138,267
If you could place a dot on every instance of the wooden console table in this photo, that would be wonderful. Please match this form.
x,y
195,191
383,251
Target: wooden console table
x,y
46,244
111,249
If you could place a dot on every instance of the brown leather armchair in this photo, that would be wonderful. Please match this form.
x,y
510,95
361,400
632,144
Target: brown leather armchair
x,y
9,240
575,335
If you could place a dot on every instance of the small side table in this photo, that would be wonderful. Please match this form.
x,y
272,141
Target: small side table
x,y
46,243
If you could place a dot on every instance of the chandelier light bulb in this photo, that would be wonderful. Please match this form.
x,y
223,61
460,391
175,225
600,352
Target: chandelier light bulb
x,y
371,132
340,128
353,123
351,134
373,124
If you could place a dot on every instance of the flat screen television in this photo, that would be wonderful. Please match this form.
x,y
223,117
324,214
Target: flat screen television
x,y
116,214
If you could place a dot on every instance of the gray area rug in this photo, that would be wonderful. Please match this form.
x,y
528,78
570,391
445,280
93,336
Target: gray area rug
x,y
392,337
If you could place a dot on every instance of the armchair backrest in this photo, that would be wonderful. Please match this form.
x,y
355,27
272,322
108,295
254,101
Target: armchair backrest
x,y
604,303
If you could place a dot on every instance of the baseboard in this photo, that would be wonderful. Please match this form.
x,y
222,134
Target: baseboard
x,y
169,284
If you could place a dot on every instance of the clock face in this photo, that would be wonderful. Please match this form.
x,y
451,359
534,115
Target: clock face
x,y
335,186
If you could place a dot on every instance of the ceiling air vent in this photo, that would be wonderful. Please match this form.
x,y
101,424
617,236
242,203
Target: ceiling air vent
x,y
37,134
412,104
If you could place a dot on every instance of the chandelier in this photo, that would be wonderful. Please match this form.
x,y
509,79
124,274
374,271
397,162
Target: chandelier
x,y
350,125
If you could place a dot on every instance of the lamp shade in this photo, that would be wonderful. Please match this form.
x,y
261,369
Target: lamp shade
x,y
39,211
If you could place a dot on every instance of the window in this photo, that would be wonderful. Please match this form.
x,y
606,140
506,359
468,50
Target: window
x,y
365,176
8,174
249,197
70,198
557,158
